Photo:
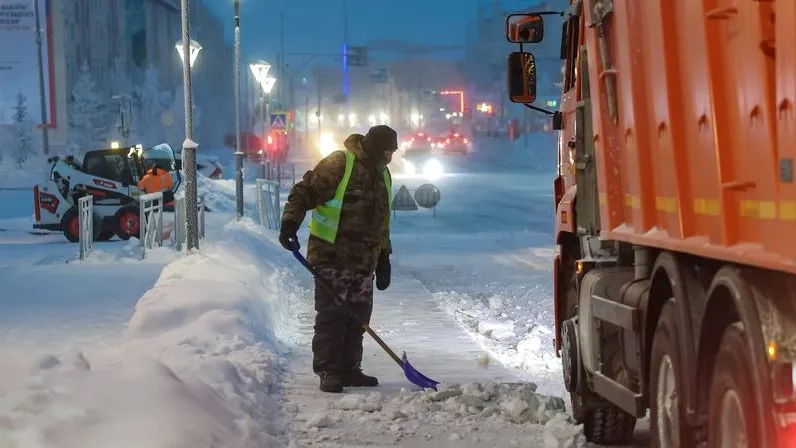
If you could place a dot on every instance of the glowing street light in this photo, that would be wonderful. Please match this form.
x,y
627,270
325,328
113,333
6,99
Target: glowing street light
x,y
194,47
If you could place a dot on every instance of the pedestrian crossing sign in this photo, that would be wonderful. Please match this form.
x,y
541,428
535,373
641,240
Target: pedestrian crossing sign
x,y
279,121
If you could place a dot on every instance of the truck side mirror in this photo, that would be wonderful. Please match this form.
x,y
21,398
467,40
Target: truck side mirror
x,y
522,77
524,28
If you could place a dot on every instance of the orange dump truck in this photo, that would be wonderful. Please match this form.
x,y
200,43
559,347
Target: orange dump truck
x,y
675,215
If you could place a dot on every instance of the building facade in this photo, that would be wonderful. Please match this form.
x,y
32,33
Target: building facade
x,y
126,37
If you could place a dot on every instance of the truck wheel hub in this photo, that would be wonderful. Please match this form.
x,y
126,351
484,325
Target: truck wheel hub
x,y
569,355
668,405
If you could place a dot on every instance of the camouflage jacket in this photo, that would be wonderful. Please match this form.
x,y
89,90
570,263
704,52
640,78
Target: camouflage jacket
x,y
363,222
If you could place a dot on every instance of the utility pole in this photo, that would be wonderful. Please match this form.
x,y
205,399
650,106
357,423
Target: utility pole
x,y
346,79
45,131
238,149
281,91
189,146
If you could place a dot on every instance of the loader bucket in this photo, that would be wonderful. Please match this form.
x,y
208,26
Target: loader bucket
x,y
417,378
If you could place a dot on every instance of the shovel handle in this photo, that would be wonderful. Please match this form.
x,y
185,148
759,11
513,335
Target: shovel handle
x,y
296,253
383,345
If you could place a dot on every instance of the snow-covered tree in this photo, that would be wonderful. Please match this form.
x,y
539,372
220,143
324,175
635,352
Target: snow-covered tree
x,y
22,142
150,103
88,114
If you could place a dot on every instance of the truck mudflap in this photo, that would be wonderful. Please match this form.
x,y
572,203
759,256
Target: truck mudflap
x,y
557,295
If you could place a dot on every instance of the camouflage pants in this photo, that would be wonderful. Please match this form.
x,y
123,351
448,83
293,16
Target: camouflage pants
x,y
337,343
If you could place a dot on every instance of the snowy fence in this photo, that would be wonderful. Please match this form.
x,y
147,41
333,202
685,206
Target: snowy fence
x,y
180,224
280,173
268,203
85,210
150,221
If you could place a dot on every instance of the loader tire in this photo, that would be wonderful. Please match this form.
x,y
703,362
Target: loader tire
x,y
128,223
70,225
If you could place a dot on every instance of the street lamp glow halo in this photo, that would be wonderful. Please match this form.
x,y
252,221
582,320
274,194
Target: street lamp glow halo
x,y
194,49
260,70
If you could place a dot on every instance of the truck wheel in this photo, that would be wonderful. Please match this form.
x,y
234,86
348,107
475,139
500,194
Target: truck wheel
x,y
607,424
668,428
70,224
732,419
128,223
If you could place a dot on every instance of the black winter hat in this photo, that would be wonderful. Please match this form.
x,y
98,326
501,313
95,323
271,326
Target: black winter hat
x,y
379,139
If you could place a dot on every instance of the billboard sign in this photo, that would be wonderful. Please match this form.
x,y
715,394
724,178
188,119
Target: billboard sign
x,y
18,67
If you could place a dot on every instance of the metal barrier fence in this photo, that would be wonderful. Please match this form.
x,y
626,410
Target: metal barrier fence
x,y
268,203
150,220
85,210
279,173
180,226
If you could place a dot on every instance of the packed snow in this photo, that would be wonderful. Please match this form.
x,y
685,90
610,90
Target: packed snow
x,y
211,349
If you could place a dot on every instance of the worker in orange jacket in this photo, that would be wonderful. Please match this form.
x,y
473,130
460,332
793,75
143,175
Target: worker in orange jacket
x,y
157,180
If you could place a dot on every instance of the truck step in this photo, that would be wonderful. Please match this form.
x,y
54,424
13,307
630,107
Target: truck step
x,y
630,401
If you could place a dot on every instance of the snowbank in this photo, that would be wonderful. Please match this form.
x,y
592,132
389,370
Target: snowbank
x,y
454,412
198,369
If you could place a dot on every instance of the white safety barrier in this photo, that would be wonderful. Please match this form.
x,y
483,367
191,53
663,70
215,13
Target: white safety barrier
x,y
180,225
85,210
151,220
268,203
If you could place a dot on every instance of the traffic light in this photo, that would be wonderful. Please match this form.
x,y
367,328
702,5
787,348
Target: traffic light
x,y
357,56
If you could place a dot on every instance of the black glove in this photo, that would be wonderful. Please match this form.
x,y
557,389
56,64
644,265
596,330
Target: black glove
x,y
288,231
383,271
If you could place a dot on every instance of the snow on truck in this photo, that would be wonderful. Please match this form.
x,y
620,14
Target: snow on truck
x,y
675,280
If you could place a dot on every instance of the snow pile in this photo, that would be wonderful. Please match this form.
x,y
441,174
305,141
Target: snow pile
x,y
199,367
466,408
506,328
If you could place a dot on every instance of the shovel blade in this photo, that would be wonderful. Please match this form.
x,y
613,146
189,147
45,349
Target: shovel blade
x,y
417,378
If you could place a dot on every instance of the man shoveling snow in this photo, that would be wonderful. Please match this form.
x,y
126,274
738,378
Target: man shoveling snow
x,y
349,192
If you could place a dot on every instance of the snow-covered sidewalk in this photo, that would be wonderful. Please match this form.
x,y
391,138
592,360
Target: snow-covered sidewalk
x,y
480,402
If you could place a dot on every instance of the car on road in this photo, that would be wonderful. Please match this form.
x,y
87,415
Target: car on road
x,y
454,143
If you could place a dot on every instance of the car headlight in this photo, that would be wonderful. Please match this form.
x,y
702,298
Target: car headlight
x,y
326,144
409,167
433,168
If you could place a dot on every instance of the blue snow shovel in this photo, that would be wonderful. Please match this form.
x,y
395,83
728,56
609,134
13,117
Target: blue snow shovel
x,y
415,377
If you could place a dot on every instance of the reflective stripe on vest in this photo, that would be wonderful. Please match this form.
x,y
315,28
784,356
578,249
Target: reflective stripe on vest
x,y
326,218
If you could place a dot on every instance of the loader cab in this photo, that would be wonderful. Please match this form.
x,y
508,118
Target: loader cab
x,y
127,165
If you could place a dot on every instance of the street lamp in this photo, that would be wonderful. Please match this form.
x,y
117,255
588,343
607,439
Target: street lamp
x,y
260,71
193,50
190,48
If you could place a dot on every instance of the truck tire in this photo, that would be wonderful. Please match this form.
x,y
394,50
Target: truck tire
x,y
668,428
732,403
607,424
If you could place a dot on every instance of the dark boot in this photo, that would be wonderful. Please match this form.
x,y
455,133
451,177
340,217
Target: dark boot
x,y
331,383
359,379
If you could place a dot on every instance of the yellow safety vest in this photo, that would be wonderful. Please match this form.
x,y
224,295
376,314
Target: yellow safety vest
x,y
326,218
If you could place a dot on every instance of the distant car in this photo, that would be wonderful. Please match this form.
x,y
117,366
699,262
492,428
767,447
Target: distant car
x,y
419,140
455,143
422,162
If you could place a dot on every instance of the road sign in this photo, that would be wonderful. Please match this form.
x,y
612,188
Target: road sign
x,y
403,200
357,56
379,76
427,196
279,120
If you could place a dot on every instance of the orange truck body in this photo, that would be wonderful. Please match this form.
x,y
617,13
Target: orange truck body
x,y
700,159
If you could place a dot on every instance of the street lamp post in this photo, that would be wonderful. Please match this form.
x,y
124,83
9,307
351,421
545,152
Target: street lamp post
x,y
191,49
260,71
45,136
238,149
